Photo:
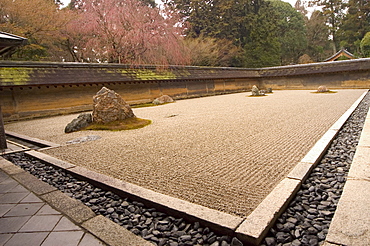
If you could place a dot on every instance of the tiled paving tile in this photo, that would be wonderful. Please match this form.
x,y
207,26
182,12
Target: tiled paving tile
x,y
90,240
6,186
12,197
71,238
41,223
4,208
66,225
4,238
32,239
12,224
47,210
31,198
24,209
3,176
18,189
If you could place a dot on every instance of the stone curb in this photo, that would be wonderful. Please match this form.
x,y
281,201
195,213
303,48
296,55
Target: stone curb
x,y
112,233
256,225
101,227
33,140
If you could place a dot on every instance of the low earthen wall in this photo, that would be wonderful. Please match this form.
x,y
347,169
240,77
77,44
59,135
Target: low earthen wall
x,y
29,89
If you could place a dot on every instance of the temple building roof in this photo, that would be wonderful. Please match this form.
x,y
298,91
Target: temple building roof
x,y
342,52
10,41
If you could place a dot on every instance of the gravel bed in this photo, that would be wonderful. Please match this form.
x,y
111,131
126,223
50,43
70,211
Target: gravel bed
x,y
157,227
306,221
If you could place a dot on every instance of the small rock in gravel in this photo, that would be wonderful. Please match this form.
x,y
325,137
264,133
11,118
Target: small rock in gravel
x,y
125,204
216,243
236,242
270,241
185,238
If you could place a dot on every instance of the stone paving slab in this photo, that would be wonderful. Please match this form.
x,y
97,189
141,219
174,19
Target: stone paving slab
x,y
112,233
351,221
256,225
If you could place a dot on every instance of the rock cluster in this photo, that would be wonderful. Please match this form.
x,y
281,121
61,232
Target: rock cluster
x,y
108,106
157,227
82,121
256,91
163,99
306,221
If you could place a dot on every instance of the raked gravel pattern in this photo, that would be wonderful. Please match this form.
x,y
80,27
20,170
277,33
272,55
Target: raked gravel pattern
x,y
307,219
223,152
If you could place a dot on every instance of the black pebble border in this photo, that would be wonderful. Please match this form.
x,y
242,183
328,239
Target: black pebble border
x,y
306,221
154,226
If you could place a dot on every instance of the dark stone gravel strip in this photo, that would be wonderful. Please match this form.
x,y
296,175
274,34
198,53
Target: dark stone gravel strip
x,y
157,227
307,219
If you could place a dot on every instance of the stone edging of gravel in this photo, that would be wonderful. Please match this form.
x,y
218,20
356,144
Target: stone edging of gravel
x,y
255,227
216,220
38,142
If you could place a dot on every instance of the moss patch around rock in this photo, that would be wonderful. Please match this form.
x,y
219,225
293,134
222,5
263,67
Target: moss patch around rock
x,y
127,124
326,92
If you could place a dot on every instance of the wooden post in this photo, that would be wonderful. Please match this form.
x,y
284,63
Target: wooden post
x,y
3,145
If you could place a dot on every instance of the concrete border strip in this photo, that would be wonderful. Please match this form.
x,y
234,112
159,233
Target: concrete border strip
x,y
256,225
33,140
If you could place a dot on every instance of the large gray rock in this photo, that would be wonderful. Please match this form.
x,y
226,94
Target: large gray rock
x,y
82,121
163,99
109,106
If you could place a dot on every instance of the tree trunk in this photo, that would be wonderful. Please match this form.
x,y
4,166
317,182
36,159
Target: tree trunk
x,y
3,145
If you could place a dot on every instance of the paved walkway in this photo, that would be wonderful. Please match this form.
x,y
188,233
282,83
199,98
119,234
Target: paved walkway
x,y
25,219
34,213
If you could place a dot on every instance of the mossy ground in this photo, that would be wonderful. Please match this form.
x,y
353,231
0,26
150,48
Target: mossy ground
x,y
327,92
257,96
127,124
144,105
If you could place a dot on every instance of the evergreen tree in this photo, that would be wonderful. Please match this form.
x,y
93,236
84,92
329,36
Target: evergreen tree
x,y
355,25
318,37
333,10
365,45
291,30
